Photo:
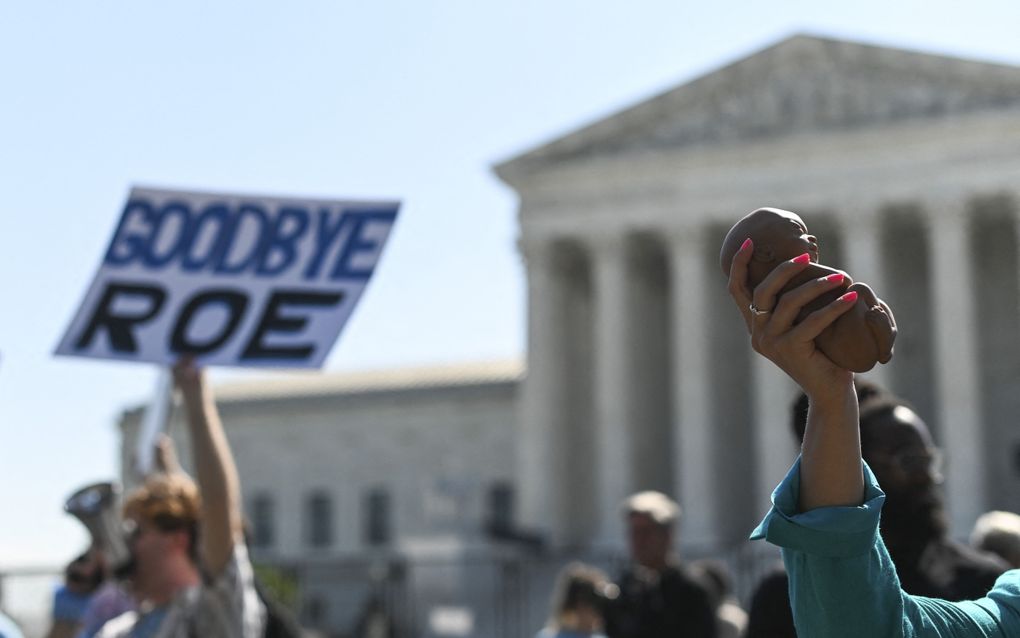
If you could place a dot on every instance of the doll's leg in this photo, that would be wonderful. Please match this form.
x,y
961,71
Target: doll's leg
x,y
880,320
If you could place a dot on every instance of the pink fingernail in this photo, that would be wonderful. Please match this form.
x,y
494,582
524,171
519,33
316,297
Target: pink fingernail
x,y
849,297
744,246
836,278
802,259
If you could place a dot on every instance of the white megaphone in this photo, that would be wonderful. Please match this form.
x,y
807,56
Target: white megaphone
x,y
97,507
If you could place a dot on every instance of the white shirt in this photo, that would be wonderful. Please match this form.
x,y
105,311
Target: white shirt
x,y
229,607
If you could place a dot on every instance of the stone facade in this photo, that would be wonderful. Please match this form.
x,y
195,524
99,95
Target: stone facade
x,y
640,376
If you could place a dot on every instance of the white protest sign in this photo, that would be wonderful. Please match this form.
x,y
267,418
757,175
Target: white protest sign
x,y
236,280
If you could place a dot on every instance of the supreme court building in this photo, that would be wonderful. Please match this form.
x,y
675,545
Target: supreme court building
x,y
640,375
435,486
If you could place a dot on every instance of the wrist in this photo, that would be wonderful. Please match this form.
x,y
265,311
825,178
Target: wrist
x,y
832,396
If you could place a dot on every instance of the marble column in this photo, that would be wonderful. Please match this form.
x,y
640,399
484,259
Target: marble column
x,y
958,397
612,383
692,402
775,445
864,262
543,395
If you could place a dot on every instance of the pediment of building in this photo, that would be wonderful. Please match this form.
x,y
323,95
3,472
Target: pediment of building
x,y
802,84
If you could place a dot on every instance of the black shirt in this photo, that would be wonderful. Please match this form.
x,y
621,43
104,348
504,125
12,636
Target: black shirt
x,y
950,570
666,604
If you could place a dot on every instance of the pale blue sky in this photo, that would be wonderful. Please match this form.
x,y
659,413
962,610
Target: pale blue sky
x,y
410,99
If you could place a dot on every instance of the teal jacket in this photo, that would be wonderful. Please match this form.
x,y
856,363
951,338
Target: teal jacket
x,y
843,583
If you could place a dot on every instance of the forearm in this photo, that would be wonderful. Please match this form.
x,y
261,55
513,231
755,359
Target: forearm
x,y
216,475
831,470
843,583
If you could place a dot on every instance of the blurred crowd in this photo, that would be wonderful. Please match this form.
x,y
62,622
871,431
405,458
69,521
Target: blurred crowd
x,y
659,596
172,560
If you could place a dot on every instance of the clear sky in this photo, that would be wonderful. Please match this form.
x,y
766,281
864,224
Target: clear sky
x,y
409,99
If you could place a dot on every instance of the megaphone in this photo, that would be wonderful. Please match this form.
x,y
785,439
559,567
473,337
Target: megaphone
x,y
96,506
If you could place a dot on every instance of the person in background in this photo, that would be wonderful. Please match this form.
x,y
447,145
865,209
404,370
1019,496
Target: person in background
x,y
731,619
659,598
112,598
999,533
109,601
898,447
769,615
178,527
581,595
82,577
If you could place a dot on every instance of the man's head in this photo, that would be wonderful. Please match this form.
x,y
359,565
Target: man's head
x,y
162,518
715,576
898,446
778,235
86,572
582,594
998,532
650,518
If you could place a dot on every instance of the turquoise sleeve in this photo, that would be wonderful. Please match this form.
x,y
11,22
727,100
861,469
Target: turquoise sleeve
x,y
843,582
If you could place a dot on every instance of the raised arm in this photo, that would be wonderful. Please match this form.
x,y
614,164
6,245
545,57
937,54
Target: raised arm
x,y
215,471
831,470
825,513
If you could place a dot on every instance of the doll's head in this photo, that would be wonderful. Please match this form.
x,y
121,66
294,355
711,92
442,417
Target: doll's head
x,y
778,235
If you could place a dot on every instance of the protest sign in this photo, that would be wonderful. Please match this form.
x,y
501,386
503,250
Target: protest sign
x,y
236,280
